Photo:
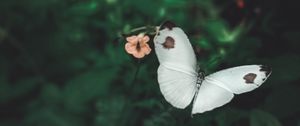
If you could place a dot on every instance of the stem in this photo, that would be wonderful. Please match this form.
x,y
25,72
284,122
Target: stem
x,y
136,72
146,28
139,28
143,28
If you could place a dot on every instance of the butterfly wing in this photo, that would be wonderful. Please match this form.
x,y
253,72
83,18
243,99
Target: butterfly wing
x,y
210,96
177,70
178,88
174,50
241,79
218,88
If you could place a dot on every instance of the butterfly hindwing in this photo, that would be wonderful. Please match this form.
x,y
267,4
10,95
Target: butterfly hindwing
x,y
210,96
178,88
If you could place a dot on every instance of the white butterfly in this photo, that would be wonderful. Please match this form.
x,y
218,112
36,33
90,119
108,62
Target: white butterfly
x,y
180,82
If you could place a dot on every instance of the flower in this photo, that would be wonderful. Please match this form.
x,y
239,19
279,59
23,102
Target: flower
x,y
137,45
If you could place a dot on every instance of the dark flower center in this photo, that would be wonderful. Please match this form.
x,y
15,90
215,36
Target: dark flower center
x,y
138,47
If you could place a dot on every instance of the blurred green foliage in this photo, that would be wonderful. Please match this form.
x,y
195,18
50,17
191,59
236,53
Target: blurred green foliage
x,y
61,63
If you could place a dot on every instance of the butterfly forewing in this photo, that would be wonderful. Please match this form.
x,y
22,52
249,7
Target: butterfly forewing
x,y
241,79
174,50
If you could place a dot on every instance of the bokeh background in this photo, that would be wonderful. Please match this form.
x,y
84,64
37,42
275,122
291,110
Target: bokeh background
x,y
63,63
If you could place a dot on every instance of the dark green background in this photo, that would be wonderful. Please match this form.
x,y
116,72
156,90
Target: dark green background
x,y
61,63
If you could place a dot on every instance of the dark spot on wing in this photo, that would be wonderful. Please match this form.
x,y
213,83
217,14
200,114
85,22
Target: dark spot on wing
x,y
249,78
167,24
266,69
169,43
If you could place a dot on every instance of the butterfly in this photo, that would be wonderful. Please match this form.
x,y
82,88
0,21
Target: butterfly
x,y
181,83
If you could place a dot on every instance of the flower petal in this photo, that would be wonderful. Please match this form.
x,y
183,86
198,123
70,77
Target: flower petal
x,y
146,49
132,39
145,38
130,48
139,54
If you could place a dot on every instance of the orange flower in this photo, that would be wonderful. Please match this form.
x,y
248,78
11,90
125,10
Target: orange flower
x,y
137,45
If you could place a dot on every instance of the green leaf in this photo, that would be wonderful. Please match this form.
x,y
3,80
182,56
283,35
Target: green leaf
x,y
283,100
228,117
51,94
84,9
148,104
285,69
113,111
88,86
161,119
262,118
48,116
